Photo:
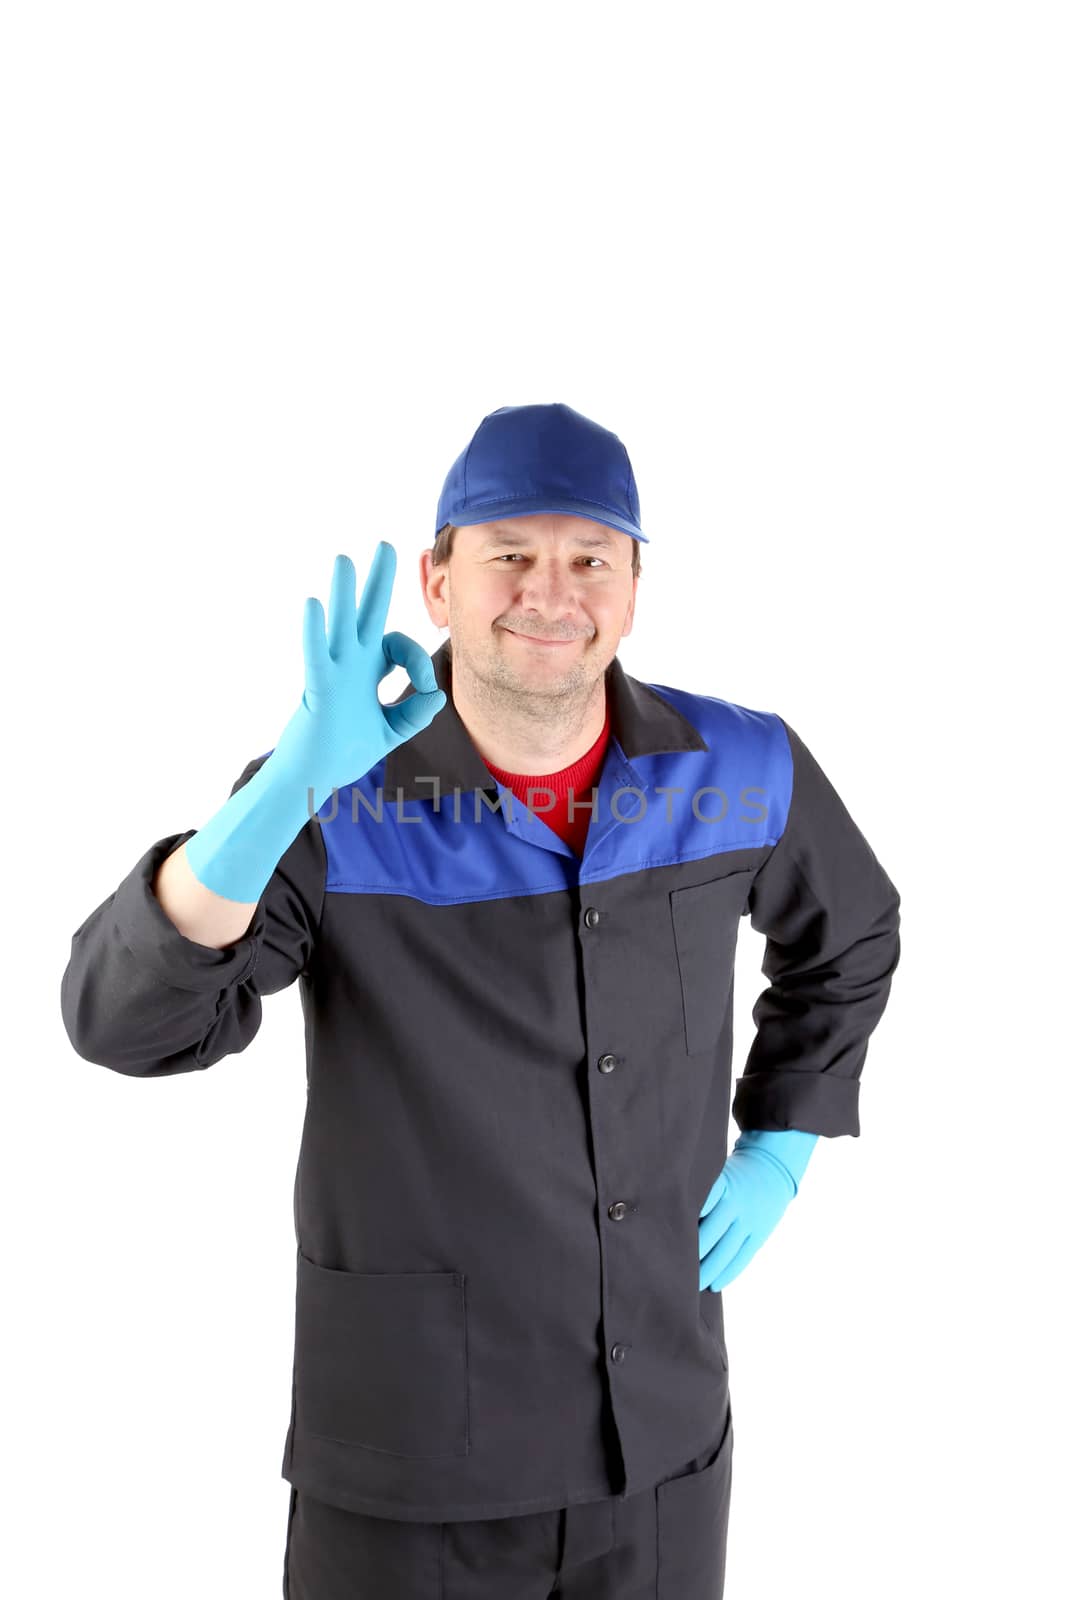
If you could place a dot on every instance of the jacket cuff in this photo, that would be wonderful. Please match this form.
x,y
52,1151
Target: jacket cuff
x,y
811,1102
156,944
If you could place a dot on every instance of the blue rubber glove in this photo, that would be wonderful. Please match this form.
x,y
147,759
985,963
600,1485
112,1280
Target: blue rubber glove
x,y
747,1200
338,732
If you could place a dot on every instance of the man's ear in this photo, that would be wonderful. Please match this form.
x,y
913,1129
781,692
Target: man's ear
x,y
429,573
630,613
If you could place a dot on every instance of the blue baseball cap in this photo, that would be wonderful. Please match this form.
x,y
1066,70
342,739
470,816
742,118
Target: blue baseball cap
x,y
541,458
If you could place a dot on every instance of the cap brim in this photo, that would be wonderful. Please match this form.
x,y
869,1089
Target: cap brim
x,y
520,508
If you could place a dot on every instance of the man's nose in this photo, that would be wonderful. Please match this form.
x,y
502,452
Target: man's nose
x,y
549,585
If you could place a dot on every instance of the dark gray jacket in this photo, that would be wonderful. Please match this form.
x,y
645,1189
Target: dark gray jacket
x,y
519,1070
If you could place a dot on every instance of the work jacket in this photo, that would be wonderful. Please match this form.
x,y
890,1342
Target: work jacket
x,y
519,1076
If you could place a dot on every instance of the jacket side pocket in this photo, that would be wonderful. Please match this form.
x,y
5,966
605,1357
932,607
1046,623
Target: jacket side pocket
x,y
692,1526
381,1359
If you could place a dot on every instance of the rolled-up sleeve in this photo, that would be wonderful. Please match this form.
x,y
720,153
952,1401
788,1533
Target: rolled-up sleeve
x,y
831,916
139,997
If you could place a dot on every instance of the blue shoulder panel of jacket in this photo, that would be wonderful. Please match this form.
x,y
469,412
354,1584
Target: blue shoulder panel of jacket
x,y
446,848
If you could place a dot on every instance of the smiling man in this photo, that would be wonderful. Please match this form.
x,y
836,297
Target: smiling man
x,y
535,607
515,1205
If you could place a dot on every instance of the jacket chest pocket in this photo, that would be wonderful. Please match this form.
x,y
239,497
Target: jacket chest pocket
x,y
381,1359
705,918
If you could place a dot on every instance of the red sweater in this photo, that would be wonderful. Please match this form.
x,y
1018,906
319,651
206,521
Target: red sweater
x,y
581,777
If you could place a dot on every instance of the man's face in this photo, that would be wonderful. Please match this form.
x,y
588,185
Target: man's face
x,y
535,605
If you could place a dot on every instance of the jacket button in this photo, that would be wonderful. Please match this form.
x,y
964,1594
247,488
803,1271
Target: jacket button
x,y
618,1352
617,1210
592,917
608,1063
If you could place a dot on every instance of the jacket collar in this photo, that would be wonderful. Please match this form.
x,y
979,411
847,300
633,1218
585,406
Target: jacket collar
x,y
642,723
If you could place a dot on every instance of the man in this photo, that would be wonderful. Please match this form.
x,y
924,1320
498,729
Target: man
x,y
511,899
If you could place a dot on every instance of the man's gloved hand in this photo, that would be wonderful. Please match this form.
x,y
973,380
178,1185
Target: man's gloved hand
x,y
338,732
747,1199
340,729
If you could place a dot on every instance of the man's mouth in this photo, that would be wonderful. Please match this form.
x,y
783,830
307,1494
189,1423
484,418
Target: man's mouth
x,y
533,639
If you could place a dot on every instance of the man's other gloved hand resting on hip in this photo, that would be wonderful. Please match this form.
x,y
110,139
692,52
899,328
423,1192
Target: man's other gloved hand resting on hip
x,y
747,1200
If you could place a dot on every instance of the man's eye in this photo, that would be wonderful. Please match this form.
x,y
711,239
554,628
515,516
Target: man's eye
x,y
517,555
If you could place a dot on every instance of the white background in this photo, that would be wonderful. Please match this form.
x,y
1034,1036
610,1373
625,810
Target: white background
x,y
266,269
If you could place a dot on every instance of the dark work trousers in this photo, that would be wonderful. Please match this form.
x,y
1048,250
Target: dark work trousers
x,y
665,1543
